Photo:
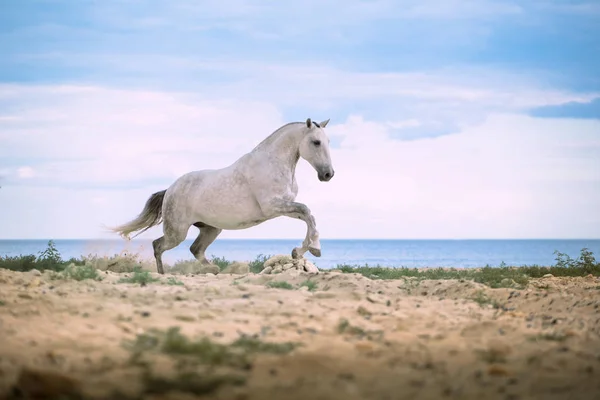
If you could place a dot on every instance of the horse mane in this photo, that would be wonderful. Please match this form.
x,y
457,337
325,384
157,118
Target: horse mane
x,y
269,139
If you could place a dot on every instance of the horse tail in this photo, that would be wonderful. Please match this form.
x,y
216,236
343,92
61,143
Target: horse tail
x,y
150,216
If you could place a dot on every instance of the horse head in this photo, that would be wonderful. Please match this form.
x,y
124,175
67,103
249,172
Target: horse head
x,y
314,148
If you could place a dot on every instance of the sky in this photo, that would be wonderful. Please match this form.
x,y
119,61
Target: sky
x,y
449,119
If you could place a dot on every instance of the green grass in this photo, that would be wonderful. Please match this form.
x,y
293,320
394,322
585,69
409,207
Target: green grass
x,y
482,299
201,365
553,337
173,281
279,285
311,285
139,276
495,277
48,259
258,264
80,273
221,262
204,350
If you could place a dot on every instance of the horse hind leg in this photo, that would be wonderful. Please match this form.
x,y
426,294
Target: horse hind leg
x,y
173,236
205,238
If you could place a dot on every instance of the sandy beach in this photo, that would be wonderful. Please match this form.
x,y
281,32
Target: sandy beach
x,y
330,335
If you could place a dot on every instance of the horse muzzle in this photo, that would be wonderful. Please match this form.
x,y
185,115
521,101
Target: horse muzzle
x,y
325,174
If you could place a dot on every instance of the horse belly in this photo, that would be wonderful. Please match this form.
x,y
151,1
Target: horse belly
x,y
228,209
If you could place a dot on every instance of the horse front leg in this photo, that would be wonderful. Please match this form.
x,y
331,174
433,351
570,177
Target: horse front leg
x,y
310,243
297,210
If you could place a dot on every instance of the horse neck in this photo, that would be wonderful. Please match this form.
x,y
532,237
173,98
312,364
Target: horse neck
x,y
285,145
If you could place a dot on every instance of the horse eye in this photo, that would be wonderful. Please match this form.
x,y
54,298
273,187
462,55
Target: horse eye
x,y
317,142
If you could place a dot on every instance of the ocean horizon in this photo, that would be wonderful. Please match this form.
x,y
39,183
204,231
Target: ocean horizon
x,y
460,253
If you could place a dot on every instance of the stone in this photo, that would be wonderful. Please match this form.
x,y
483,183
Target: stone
x,y
44,384
277,269
208,269
278,259
310,267
293,273
266,270
548,276
237,268
288,266
36,272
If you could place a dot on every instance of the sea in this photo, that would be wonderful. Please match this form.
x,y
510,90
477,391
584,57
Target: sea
x,y
389,253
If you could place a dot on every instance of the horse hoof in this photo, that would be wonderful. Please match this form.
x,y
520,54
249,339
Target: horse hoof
x,y
315,252
295,255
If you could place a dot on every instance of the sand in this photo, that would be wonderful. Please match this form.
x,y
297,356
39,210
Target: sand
x,y
360,338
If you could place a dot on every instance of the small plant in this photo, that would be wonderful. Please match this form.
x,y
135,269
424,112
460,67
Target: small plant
x,y
81,273
139,276
258,264
204,350
311,285
553,337
586,262
48,259
344,326
482,299
174,282
503,276
279,285
50,255
221,262
122,262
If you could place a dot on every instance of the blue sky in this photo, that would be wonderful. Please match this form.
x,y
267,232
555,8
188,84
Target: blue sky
x,y
487,111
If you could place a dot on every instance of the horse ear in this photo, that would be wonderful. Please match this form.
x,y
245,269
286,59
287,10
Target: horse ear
x,y
324,123
308,123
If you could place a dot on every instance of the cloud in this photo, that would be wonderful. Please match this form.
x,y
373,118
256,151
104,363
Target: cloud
x,y
107,137
98,153
511,176
25,172
571,109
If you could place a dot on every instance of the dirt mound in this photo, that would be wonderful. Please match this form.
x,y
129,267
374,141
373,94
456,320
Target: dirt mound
x,y
295,335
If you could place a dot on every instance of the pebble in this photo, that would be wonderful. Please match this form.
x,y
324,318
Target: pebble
x,y
266,270
38,384
497,370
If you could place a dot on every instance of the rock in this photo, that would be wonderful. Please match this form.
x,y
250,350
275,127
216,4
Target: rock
x,y
548,276
498,350
299,263
277,269
266,270
237,268
279,259
34,283
498,370
185,268
36,272
38,384
280,263
208,269
293,272
310,267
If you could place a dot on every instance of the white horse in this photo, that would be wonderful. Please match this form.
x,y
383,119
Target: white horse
x,y
259,186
